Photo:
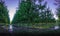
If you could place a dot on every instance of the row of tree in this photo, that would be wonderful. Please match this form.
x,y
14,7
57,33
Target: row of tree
x,y
4,16
57,2
29,12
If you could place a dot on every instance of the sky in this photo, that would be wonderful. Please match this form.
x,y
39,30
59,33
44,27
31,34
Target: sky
x,y
12,5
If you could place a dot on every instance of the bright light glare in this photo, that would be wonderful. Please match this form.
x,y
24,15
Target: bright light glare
x,y
56,17
56,27
10,28
11,13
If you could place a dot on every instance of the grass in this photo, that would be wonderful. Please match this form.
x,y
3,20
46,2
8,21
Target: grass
x,y
36,25
2,30
35,31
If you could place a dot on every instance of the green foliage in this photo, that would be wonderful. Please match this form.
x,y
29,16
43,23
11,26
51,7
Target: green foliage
x,y
57,3
29,12
25,13
49,16
45,14
58,12
4,17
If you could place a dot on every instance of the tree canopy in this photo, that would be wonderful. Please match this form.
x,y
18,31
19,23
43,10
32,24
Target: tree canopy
x,y
4,17
30,12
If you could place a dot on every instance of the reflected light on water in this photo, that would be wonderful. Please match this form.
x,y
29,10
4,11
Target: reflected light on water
x,y
10,28
56,27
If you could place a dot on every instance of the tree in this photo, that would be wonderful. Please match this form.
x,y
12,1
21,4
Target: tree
x,y
26,13
45,13
57,3
58,8
42,10
30,12
4,17
49,16
22,12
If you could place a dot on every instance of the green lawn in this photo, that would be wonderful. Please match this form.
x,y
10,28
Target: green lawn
x,y
36,25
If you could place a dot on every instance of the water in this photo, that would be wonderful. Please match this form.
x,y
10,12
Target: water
x,y
56,27
10,28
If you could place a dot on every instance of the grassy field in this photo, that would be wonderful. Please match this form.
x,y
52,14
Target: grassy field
x,y
40,25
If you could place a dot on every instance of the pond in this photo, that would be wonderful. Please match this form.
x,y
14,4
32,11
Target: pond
x,y
10,28
56,27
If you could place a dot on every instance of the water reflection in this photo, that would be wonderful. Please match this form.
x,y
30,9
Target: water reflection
x,y
10,28
56,27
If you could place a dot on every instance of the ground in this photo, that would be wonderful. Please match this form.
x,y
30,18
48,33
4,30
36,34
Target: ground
x,y
27,29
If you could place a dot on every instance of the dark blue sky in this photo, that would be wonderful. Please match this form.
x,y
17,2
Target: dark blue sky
x,y
13,4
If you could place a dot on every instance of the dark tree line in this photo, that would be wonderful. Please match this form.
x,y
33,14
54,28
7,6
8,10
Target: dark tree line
x,y
30,12
4,17
57,3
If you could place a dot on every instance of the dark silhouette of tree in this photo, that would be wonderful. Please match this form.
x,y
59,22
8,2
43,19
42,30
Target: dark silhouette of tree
x,y
30,12
49,16
4,17
26,13
45,13
57,3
